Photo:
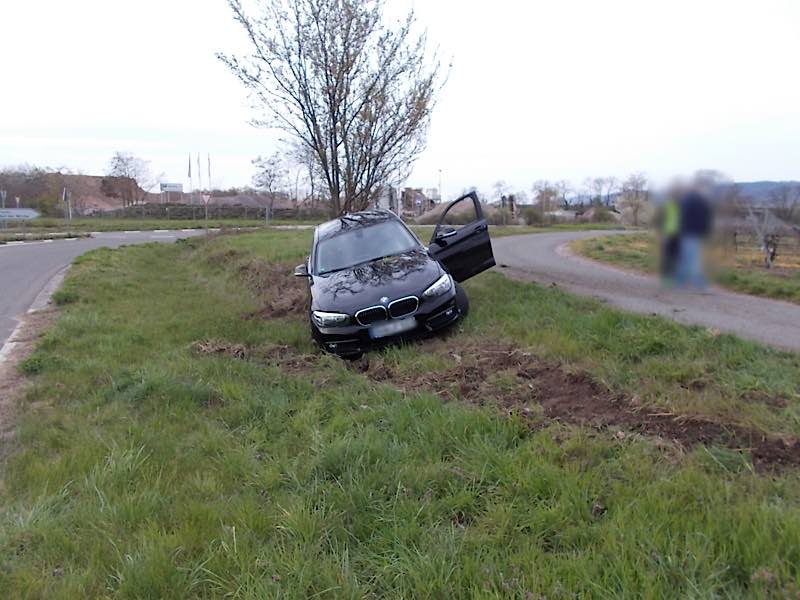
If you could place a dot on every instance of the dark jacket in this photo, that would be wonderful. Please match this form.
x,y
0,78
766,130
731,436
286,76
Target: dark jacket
x,y
695,215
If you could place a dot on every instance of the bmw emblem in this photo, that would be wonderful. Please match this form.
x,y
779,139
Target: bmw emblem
x,y
384,300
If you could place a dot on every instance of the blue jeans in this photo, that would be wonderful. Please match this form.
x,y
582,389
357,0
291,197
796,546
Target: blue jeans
x,y
690,262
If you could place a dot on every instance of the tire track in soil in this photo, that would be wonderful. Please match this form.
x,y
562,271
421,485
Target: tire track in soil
x,y
493,373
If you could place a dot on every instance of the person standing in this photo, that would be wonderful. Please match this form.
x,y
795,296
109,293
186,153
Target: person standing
x,y
670,239
695,227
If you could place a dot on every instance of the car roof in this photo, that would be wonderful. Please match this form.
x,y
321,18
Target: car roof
x,y
353,221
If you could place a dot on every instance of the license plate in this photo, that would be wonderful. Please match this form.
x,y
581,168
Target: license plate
x,y
392,327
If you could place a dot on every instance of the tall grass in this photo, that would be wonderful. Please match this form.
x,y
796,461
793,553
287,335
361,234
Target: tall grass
x,y
141,470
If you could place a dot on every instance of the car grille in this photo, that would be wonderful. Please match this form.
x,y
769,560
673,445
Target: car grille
x,y
403,306
370,315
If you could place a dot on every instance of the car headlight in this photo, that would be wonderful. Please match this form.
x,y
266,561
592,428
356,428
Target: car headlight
x,y
328,319
441,286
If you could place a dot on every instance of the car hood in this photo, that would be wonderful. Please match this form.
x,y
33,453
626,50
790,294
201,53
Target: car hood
x,y
393,277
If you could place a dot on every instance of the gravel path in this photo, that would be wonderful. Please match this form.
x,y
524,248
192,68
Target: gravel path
x,y
545,258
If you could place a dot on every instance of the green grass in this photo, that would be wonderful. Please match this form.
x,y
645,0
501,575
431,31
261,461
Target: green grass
x,y
45,225
41,228
744,274
141,470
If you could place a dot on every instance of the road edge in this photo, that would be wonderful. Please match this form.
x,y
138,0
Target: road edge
x,y
40,302
22,342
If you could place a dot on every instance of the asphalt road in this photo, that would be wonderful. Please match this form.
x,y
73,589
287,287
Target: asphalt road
x,y
544,258
26,268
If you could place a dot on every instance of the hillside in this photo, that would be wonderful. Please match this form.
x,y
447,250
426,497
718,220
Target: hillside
x,y
760,191
91,193
42,191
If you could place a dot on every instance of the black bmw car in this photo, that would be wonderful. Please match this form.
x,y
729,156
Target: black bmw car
x,y
371,281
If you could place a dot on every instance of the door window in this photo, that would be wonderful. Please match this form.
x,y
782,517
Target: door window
x,y
460,213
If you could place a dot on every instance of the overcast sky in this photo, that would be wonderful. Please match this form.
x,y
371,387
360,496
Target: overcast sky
x,y
557,89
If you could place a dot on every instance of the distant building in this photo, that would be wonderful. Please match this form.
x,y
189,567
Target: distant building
x,y
387,199
433,195
414,202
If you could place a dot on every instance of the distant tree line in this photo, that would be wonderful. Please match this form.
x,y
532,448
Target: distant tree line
x,y
36,187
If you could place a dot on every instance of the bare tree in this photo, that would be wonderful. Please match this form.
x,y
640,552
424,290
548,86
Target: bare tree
x,y
545,195
785,202
563,187
356,92
634,195
594,187
610,185
500,189
28,182
129,178
305,161
762,221
269,173
765,226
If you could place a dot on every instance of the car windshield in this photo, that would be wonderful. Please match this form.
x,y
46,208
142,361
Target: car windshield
x,y
362,245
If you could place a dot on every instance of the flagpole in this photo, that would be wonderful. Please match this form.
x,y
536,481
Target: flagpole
x,y
199,172
191,182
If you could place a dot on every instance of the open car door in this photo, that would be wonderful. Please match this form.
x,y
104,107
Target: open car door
x,y
464,250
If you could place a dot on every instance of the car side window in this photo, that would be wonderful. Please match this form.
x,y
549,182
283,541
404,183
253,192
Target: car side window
x,y
461,213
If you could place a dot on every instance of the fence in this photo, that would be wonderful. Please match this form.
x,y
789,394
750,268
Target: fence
x,y
215,211
746,248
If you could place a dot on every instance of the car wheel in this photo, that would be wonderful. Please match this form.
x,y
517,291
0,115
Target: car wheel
x,y
462,302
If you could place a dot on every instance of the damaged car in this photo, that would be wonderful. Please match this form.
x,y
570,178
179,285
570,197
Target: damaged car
x,y
372,282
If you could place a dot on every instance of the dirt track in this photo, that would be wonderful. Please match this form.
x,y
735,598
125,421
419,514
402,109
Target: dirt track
x,y
544,258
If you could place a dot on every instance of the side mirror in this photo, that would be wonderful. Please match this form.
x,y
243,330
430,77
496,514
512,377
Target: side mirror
x,y
301,270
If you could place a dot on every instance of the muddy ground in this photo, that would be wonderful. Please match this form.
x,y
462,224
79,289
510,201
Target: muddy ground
x,y
281,292
497,374
494,373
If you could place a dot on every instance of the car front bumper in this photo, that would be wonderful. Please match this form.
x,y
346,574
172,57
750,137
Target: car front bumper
x,y
432,316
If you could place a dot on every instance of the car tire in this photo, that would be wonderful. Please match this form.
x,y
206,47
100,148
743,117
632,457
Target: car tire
x,y
462,302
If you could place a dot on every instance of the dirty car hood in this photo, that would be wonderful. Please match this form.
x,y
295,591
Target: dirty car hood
x,y
364,285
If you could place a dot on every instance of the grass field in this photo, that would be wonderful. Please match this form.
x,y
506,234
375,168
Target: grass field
x,y
43,229
181,440
44,225
743,273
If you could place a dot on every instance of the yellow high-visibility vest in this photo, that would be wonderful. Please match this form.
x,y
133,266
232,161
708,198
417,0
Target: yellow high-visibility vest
x,y
672,220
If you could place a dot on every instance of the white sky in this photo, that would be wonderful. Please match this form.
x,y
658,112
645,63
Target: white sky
x,y
556,89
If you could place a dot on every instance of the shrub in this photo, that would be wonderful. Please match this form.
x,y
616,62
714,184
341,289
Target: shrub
x,y
601,214
499,216
65,296
32,365
532,215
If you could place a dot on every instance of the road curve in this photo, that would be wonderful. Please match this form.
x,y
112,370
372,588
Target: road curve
x,y
544,258
26,268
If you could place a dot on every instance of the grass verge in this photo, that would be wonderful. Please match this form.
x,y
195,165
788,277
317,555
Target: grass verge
x,y
741,274
42,228
44,225
144,468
